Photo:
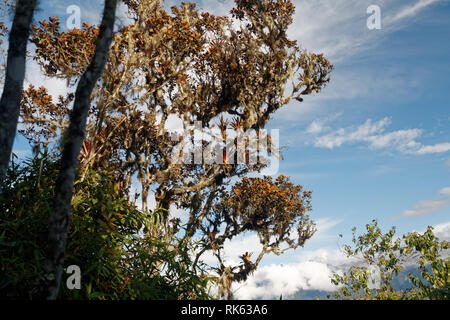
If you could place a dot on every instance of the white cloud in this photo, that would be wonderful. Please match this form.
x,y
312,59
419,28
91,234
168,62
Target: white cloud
x,y
426,207
442,231
338,28
315,127
373,133
437,148
445,191
412,10
404,140
312,271
320,125
271,281
35,77
352,134
325,224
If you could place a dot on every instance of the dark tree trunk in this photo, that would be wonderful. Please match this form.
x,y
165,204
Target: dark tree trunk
x,y
72,141
15,73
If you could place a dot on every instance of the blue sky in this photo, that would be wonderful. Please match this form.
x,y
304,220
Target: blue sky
x,y
374,144
402,76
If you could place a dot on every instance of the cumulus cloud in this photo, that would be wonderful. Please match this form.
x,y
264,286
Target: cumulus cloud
x,y
312,271
320,125
342,136
271,281
442,231
374,134
315,127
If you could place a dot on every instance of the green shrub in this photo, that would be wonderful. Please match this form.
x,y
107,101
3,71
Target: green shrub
x,y
106,240
424,253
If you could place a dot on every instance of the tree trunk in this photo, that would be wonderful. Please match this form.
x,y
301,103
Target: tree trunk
x,y
72,141
15,73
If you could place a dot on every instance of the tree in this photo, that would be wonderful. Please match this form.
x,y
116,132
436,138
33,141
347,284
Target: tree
x,y
200,68
275,210
71,146
390,255
433,281
14,75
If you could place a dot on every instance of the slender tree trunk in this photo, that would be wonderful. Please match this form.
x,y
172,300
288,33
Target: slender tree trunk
x,y
15,73
72,141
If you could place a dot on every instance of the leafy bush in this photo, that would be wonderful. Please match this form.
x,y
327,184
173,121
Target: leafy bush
x,y
423,252
107,240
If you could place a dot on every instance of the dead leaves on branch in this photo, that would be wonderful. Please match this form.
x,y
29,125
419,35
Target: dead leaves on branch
x,y
42,119
275,209
63,54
